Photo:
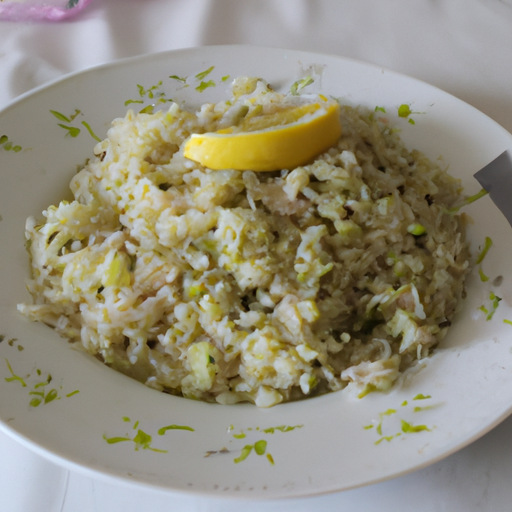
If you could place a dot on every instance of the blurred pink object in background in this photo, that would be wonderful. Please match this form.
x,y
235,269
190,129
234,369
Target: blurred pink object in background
x,y
34,10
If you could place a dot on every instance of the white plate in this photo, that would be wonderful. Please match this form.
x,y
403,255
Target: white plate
x,y
469,379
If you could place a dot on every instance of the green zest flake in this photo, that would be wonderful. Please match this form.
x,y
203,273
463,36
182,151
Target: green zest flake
x,y
91,133
205,73
420,396
495,303
163,430
60,117
125,418
387,438
300,84
270,459
485,250
281,428
128,102
14,377
179,78
506,321
404,403
66,119
246,450
72,393
416,229
225,77
142,440
114,440
369,388
135,425
419,409
380,109
404,111
407,428
382,415
51,396
72,131
483,277
204,85
260,447
239,436
368,427
8,145
147,110
478,195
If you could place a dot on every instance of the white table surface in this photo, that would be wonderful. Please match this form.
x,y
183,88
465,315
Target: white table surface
x,y
461,46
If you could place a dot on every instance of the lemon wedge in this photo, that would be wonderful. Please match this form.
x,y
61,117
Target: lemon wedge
x,y
285,139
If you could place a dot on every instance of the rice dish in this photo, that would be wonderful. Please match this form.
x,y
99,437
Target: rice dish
x,y
230,286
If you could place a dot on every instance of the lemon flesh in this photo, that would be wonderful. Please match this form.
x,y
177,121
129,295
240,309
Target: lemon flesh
x,y
282,140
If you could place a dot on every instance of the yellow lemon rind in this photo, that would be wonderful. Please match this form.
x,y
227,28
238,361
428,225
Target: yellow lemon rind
x,y
285,147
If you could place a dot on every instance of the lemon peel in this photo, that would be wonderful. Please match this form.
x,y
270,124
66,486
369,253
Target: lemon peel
x,y
285,139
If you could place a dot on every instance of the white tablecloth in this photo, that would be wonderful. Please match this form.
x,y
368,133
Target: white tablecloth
x,y
461,46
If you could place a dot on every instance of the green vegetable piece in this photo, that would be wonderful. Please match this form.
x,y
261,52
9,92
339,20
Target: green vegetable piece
x,y
386,438
147,110
408,428
204,85
411,121
474,197
420,396
380,109
14,377
163,430
270,459
495,303
416,229
404,403
135,425
239,436
125,418
179,78
3,139
485,250
114,440
141,89
205,73
72,116
404,111
300,84
60,117
260,447
72,393
368,427
246,450
427,408
91,133
128,102
506,321
483,277
369,388
51,396
382,415
484,309
16,149
225,77
142,440
35,402
72,131
8,146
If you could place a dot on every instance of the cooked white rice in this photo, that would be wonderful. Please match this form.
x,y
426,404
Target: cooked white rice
x,y
236,286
